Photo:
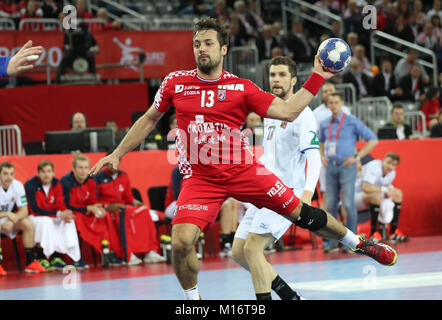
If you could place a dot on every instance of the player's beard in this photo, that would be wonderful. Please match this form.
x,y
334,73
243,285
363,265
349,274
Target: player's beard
x,y
208,66
282,94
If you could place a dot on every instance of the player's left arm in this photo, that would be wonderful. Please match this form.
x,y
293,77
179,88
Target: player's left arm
x,y
289,110
22,212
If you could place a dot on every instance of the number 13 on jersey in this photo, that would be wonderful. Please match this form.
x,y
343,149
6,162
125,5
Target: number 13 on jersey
x,y
207,98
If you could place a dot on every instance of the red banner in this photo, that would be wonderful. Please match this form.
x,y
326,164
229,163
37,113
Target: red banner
x,y
165,51
36,109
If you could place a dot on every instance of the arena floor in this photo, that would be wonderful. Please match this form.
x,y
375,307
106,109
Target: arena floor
x,y
417,275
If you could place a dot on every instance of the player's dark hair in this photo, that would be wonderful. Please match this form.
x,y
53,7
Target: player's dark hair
x,y
6,164
286,61
213,24
393,156
43,164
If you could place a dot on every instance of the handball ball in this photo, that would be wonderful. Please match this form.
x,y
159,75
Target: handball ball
x,y
334,54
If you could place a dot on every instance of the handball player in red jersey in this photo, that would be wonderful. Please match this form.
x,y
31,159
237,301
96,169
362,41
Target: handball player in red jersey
x,y
211,105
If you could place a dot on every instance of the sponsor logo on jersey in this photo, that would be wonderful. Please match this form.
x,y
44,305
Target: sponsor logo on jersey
x,y
195,207
288,202
232,87
179,88
120,188
221,95
284,124
278,189
315,140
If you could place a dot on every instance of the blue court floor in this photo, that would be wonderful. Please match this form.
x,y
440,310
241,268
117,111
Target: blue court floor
x,y
415,276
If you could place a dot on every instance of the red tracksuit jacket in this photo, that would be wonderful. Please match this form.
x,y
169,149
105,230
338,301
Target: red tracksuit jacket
x,y
41,205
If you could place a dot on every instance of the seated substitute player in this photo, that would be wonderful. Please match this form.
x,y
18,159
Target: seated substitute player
x,y
288,146
12,194
137,230
218,162
228,215
54,224
94,224
375,191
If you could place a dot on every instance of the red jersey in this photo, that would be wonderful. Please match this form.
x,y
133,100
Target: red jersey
x,y
112,190
40,204
209,115
78,196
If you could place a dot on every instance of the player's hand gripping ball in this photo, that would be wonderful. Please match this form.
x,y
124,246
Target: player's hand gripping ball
x,y
334,54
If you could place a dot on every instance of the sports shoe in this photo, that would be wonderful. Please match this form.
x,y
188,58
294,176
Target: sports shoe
x,y
382,253
398,236
153,257
58,263
2,271
35,267
45,264
134,260
115,261
376,237
80,265
226,251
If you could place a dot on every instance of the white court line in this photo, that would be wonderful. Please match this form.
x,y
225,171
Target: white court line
x,y
372,282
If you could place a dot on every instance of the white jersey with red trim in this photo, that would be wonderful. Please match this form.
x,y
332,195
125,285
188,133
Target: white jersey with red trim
x,y
209,116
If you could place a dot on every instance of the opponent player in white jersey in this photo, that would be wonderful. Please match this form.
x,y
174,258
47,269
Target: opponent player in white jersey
x,y
211,106
287,148
12,194
375,191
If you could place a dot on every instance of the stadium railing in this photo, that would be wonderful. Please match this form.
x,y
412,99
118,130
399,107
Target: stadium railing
x,y
40,24
243,62
417,121
294,7
373,111
376,46
10,140
7,24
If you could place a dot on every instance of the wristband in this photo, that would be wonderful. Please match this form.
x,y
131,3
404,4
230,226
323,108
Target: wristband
x,y
314,83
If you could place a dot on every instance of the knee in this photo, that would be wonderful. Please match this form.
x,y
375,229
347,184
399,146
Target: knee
x,y
7,226
398,195
237,252
254,246
376,198
26,224
182,242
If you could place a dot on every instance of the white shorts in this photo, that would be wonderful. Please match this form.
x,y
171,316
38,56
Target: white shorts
x,y
386,209
263,221
170,211
11,234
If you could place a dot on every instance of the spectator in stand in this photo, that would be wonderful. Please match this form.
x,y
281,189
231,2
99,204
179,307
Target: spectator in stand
x,y
437,28
277,52
82,12
417,10
401,30
54,224
428,38
352,18
352,40
51,9
403,130
412,85
365,65
235,37
108,24
297,44
119,132
78,121
360,80
414,26
436,9
12,195
254,18
265,42
196,7
331,6
94,224
404,66
430,107
221,10
277,33
32,11
336,30
385,82
241,11
241,35
436,131
9,9
403,10
139,233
